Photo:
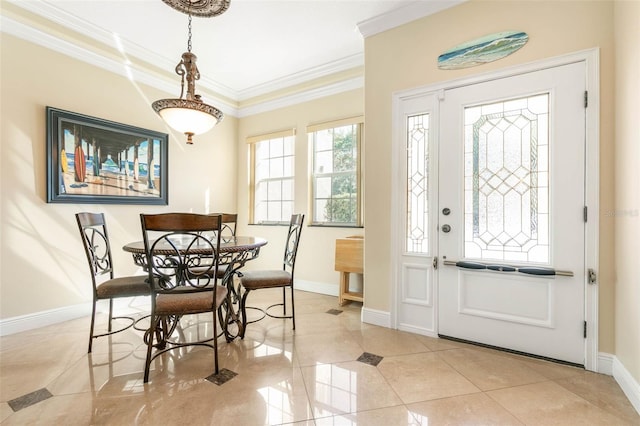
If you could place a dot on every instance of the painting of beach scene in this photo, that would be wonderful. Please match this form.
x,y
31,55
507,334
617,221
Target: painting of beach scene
x,y
482,50
91,160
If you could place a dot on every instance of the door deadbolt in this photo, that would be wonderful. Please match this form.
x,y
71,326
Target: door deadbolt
x,y
446,228
446,211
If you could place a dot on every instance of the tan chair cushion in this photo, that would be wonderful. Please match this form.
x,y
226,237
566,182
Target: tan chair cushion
x,y
252,280
124,287
185,303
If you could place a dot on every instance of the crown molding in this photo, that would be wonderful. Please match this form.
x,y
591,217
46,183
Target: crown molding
x,y
305,96
411,12
302,77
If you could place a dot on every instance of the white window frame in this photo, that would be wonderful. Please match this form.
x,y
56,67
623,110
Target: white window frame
x,y
312,131
287,136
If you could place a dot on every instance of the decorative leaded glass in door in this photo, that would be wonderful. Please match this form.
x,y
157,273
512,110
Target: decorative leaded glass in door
x,y
417,229
506,176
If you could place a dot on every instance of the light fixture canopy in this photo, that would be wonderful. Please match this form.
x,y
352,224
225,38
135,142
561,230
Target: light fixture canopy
x,y
188,114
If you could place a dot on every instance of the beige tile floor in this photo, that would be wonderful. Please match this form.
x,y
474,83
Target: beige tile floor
x,y
308,377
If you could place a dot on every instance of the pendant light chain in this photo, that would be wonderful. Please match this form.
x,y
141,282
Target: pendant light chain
x,y
189,40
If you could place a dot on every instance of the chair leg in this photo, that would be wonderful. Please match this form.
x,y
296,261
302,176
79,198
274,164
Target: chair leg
x,y
215,341
153,327
293,309
284,301
110,313
93,320
243,312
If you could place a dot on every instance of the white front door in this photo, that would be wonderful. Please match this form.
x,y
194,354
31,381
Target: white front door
x,y
511,213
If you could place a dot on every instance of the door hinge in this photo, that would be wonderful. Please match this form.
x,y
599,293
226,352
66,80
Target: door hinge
x,y
435,262
592,277
585,330
586,98
584,213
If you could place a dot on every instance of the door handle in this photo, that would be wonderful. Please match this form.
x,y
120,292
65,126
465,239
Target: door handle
x,y
446,228
529,270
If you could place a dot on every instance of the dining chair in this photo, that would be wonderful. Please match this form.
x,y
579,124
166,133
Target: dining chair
x,y
284,277
95,239
229,224
227,231
175,245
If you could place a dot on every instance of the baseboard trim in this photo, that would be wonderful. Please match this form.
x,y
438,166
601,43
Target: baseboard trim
x,y
628,384
42,319
121,306
376,317
317,287
605,363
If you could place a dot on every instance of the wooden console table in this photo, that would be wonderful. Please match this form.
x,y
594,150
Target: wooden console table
x,y
349,260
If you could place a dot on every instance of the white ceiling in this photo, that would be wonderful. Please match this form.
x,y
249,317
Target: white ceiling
x,y
254,47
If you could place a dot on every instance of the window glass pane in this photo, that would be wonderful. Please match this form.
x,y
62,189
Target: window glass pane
x,y
323,162
507,180
324,140
287,209
287,190
275,168
287,166
343,185
276,148
320,211
275,190
262,170
323,187
262,150
274,211
345,160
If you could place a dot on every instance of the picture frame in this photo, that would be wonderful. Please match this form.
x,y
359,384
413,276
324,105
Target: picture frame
x,y
121,173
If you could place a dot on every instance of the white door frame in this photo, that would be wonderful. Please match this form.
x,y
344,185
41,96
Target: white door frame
x,y
591,59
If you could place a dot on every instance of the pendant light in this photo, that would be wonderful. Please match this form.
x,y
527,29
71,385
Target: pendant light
x,y
189,114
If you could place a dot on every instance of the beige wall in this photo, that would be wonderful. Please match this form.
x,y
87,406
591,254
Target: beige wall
x,y
316,254
43,265
626,214
406,57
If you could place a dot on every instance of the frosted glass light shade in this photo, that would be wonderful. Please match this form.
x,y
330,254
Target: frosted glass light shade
x,y
188,120
186,116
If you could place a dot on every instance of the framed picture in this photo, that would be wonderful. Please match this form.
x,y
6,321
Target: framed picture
x,y
91,160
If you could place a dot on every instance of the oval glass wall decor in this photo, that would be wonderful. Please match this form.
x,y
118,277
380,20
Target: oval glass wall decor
x,y
482,50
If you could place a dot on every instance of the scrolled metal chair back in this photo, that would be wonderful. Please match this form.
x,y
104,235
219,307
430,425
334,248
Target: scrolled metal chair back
x,y
96,243
293,240
183,255
177,259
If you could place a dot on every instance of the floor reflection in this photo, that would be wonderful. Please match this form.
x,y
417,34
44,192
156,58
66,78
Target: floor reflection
x,y
333,370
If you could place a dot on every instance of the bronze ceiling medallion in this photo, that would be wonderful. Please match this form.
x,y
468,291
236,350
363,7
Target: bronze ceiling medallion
x,y
200,8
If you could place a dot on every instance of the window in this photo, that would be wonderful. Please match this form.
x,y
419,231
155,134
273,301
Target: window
x,y
272,173
336,183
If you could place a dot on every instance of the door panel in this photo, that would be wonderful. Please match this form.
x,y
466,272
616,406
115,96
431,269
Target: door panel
x,y
514,150
416,226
